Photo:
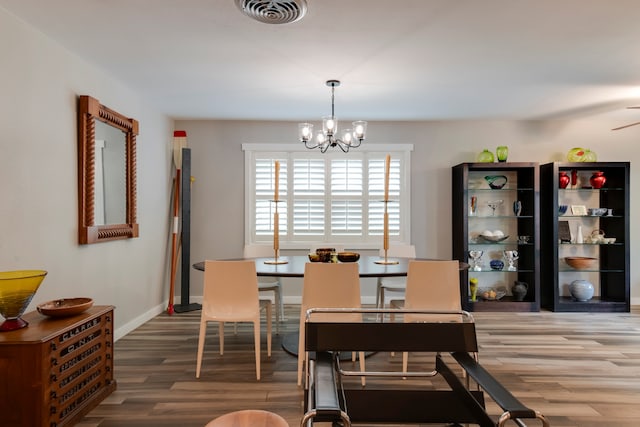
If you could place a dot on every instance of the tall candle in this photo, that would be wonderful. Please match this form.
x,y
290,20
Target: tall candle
x,y
276,232
277,181
385,238
387,167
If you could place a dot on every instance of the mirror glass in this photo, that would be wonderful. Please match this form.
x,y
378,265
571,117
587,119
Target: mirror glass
x,y
106,173
110,175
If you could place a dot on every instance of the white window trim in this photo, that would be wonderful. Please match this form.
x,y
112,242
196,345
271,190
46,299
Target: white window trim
x,y
283,150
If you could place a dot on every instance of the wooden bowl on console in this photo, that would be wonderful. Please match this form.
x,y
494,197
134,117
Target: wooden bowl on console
x,y
348,256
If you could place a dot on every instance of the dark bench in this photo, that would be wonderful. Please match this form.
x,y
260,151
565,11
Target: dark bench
x,y
328,399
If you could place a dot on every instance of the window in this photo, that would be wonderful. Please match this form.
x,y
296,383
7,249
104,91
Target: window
x,y
333,197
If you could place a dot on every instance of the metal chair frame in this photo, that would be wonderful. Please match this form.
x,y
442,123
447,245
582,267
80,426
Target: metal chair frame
x,y
327,399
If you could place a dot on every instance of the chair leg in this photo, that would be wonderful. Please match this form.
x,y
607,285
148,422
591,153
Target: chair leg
x,y
301,353
269,309
381,302
279,311
280,303
256,344
221,333
362,368
201,336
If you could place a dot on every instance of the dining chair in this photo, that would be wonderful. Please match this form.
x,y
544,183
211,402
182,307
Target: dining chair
x,y
268,284
329,285
431,285
230,294
393,284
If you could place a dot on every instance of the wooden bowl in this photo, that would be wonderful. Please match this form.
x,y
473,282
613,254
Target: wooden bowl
x,y
581,262
348,256
65,307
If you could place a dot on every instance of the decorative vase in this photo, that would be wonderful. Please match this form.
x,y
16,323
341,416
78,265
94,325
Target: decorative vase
x,y
485,156
473,287
517,207
519,290
502,152
17,288
574,178
581,290
564,179
598,179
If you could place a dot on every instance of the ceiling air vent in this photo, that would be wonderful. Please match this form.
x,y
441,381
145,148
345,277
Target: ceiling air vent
x,y
273,11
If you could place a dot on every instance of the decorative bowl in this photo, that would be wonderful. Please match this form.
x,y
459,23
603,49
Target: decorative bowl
x,y
496,264
17,289
65,307
492,294
315,258
581,262
493,239
496,182
597,211
348,256
325,254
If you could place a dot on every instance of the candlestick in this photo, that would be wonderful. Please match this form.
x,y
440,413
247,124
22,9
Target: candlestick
x,y
276,233
276,239
387,167
385,241
277,181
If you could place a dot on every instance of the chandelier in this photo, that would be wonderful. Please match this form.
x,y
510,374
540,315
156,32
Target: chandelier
x,y
349,138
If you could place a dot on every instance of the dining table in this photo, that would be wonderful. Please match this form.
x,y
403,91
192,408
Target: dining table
x,y
293,266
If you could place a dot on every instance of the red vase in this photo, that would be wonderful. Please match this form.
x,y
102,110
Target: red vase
x,y
564,179
598,179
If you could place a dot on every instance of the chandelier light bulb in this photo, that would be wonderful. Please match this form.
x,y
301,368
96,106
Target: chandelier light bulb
x,y
305,131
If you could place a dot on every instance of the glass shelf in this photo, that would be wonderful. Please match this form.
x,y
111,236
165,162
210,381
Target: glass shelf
x,y
500,216
504,270
588,216
496,190
590,189
591,270
503,243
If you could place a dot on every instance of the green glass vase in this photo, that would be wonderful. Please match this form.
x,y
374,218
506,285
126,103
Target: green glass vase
x,y
502,152
485,156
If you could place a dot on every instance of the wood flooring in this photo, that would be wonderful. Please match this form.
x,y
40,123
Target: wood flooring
x,y
578,369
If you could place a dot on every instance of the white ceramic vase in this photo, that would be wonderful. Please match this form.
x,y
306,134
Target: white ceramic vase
x,y
581,290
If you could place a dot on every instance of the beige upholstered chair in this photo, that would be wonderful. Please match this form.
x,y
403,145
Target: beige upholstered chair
x,y
268,284
431,285
329,285
395,285
249,418
230,294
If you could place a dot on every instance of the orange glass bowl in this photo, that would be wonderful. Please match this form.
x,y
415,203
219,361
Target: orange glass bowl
x,y
17,288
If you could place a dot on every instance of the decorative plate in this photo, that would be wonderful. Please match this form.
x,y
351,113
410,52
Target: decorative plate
x,y
65,307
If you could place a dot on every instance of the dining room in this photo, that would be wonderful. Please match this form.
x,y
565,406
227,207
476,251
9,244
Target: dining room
x,y
541,355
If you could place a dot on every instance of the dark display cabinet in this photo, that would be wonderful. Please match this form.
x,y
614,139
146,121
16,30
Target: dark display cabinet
x,y
587,220
495,211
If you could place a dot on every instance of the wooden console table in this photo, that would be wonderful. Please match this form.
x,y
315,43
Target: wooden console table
x,y
56,370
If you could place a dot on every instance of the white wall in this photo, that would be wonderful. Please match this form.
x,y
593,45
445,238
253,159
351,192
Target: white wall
x,y
218,192
39,85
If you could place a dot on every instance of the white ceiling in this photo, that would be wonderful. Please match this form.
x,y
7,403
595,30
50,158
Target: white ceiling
x,y
397,59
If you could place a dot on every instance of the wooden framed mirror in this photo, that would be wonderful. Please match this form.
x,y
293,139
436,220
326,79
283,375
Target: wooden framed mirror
x,y
106,173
